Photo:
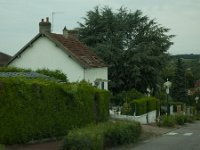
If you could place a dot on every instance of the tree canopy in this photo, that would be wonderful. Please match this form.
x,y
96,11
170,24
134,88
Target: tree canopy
x,y
134,46
179,83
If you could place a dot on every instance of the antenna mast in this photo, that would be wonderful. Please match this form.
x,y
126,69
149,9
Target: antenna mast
x,y
52,15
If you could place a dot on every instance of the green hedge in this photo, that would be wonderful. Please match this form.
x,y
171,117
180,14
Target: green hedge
x,y
57,74
101,136
140,106
36,109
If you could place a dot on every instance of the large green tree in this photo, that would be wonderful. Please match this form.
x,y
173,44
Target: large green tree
x,y
179,89
131,44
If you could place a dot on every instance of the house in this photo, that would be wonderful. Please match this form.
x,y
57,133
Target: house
x,y
4,58
62,52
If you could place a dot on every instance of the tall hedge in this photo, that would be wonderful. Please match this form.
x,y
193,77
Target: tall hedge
x,y
140,106
35,109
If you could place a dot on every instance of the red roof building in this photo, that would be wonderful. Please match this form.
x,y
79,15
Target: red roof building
x,y
63,52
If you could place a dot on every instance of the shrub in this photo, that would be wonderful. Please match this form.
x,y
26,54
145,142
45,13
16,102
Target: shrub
x,y
55,74
97,137
119,133
167,121
36,109
88,138
140,106
180,119
13,69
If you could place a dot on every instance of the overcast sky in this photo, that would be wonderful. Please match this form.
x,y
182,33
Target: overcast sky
x,y
19,19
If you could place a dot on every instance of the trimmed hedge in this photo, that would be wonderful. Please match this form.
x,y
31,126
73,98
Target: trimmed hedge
x,y
57,74
36,109
98,137
140,106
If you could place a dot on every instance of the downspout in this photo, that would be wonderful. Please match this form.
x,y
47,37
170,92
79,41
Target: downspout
x,y
84,73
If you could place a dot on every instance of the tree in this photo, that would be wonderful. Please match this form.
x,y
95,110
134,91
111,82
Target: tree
x,y
179,91
131,44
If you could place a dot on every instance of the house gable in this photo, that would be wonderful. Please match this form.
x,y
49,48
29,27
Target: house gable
x,y
43,53
63,52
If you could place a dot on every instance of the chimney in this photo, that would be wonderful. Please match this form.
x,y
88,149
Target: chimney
x,y
45,26
65,32
70,33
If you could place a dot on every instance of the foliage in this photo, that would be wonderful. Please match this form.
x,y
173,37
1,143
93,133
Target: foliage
x,y
98,137
56,74
173,120
140,106
13,69
2,147
51,73
36,109
131,44
167,121
179,84
180,119
126,96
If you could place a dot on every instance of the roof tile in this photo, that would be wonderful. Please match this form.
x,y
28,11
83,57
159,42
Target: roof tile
x,y
81,52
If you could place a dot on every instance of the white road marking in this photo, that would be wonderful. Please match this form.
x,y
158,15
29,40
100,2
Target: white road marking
x,y
187,134
171,133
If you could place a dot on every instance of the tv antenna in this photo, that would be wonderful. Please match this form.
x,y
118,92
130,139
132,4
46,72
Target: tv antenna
x,y
53,15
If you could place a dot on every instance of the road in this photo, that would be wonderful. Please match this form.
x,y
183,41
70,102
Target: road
x,y
185,138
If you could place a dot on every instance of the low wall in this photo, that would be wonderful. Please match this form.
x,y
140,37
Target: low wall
x,y
150,117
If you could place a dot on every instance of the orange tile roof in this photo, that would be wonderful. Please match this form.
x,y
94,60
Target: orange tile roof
x,y
78,50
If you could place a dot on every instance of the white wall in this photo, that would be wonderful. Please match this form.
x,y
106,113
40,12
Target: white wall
x,y
45,54
143,119
92,74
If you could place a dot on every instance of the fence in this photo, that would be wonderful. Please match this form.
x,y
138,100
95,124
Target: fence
x,y
149,117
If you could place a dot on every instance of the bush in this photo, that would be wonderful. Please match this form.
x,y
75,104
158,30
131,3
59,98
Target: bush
x,y
167,121
97,137
180,119
119,133
36,109
57,74
13,69
140,106
171,121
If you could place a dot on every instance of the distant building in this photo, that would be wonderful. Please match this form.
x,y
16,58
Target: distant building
x,y
4,58
63,52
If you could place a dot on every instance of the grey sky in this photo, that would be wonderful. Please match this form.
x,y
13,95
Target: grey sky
x,y
19,19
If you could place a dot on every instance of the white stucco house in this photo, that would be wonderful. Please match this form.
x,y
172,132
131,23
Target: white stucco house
x,y
62,52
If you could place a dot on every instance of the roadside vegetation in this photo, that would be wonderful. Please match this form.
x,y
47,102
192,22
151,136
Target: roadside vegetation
x,y
174,120
103,135
33,109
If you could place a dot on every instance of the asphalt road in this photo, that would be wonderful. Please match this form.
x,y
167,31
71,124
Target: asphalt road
x,y
185,138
